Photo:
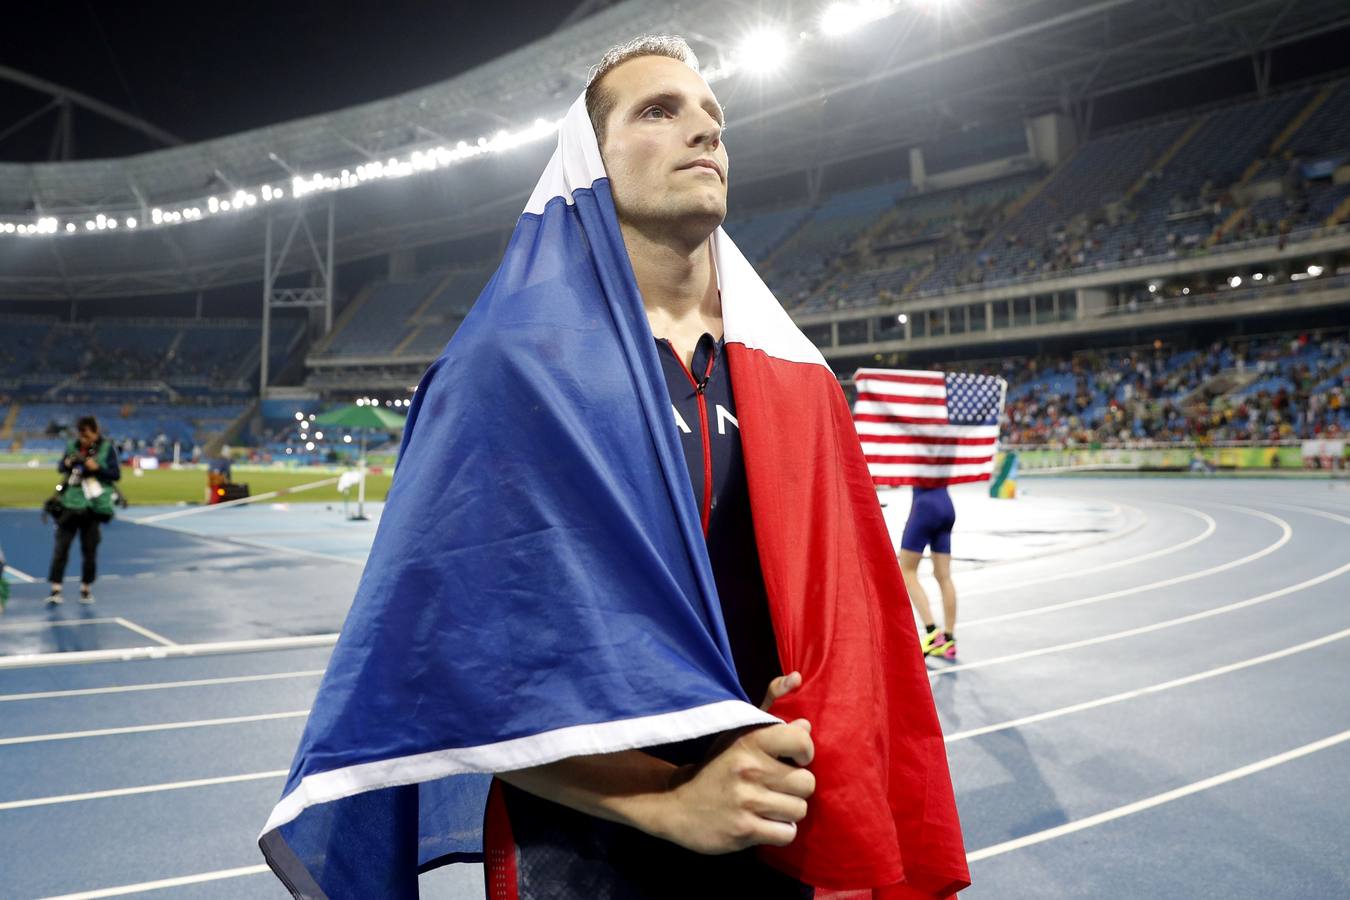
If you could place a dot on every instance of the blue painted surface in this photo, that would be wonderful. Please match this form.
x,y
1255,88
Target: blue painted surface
x,y
1279,833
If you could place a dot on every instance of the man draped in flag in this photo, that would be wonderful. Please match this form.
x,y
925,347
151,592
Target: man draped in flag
x,y
929,430
628,499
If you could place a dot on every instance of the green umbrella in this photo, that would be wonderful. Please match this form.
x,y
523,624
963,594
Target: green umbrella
x,y
362,417
355,416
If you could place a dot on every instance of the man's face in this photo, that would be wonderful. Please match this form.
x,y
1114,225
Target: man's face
x,y
88,435
663,147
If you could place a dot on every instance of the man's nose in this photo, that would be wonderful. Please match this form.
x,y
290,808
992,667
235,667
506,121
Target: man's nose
x,y
710,134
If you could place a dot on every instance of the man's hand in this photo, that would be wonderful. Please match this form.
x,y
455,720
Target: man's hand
x,y
751,792
91,464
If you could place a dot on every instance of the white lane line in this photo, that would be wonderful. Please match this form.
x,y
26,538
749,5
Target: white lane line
x,y
142,729
1143,629
1151,689
157,686
1314,511
20,574
261,545
180,881
126,654
142,789
1130,809
1210,527
53,623
144,632
1287,533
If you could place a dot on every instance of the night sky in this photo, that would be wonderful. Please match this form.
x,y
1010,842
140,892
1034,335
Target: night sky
x,y
202,70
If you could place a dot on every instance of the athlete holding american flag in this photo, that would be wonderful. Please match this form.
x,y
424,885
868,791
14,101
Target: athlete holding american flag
x,y
929,430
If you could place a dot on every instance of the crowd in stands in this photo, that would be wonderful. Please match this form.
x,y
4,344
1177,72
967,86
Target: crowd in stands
x,y
1154,192
1269,389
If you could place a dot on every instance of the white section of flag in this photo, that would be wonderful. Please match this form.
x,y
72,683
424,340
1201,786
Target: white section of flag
x,y
935,452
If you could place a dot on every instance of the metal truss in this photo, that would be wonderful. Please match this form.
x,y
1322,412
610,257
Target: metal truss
x,y
910,79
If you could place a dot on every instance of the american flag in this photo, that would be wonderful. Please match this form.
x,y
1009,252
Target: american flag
x,y
928,429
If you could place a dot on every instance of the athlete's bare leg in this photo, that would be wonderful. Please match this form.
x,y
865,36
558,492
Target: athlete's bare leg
x,y
909,568
942,570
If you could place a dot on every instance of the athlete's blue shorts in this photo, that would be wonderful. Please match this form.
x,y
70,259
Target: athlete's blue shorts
x,y
931,517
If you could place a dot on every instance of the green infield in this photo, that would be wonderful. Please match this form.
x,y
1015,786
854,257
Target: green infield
x,y
30,487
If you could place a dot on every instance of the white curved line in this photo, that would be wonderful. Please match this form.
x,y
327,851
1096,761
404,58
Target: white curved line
x,y
1288,533
1143,629
143,729
158,685
1210,527
1128,809
142,789
1151,689
162,883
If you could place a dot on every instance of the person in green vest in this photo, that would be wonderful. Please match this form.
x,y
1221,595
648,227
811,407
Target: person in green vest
x,y
87,501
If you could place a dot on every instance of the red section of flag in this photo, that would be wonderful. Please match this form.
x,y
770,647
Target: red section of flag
x,y
883,820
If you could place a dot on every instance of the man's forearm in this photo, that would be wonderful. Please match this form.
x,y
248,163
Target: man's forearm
x,y
629,787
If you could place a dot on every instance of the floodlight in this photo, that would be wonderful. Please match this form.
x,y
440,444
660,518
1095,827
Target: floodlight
x,y
1153,289
763,51
346,439
299,416
1258,276
1314,271
841,18
1185,290
902,318
70,226
131,222
318,435
1235,281
309,445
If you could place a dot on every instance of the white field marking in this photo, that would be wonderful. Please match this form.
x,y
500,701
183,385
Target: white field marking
x,y
196,510
142,789
261,545
142,729
1313,511
126,654
1158,799
31,624
157,686
20,574
1151,689
180,881
1143,629
144,632
1210,527
1286,535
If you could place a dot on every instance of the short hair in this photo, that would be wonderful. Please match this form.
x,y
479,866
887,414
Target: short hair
x,y
84,422
600,102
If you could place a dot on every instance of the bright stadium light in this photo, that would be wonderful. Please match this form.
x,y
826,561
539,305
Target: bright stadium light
x,y
309,445
299,417
1186,291
1235,281
902,318
1258,276
762,51
1314,271
346,439
841,18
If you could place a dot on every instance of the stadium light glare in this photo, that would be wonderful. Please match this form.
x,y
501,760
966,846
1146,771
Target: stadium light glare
x,y
299,416
1258,276
1314,271
346,439
841,18
1186,291
1235,281
902,318
309,445
763,51
1153,288
131,221
318,435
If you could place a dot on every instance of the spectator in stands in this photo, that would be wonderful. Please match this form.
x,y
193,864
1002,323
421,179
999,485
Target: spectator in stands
x,y
91,468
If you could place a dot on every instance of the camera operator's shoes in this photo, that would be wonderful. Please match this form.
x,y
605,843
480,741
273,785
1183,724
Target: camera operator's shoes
x,y
86,596
54,598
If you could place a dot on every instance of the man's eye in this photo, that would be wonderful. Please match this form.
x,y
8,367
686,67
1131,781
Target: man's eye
x,y
660,112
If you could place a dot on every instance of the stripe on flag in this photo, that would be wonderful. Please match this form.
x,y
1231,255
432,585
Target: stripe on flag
x,y
928,429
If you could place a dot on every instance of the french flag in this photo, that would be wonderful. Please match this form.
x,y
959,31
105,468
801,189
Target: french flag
x,y
539,586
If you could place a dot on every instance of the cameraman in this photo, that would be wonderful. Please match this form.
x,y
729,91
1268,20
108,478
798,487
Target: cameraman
x,y
90,466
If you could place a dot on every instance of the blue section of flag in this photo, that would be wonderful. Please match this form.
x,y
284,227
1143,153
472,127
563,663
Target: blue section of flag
x,y
973,399
539,565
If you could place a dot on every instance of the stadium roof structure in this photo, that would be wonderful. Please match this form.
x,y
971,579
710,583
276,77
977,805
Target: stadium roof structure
x,y
458,158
